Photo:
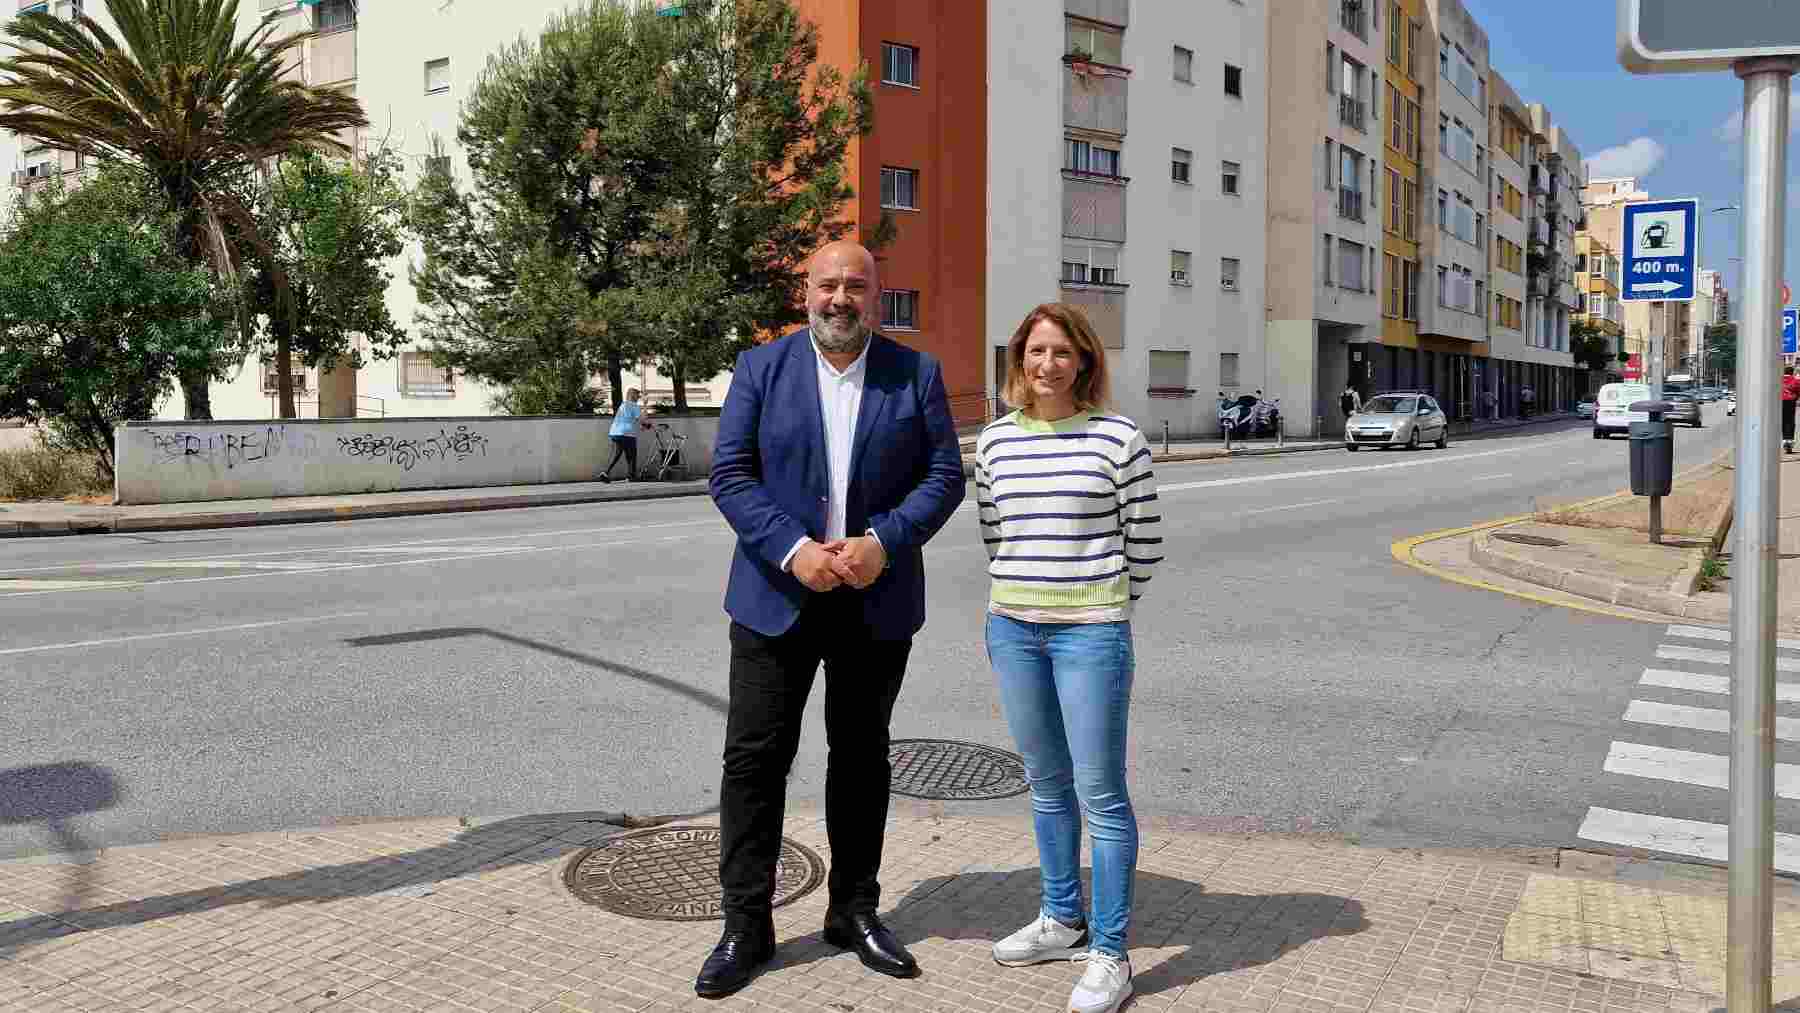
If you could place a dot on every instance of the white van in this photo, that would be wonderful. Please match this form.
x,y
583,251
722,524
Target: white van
x,y
1612,408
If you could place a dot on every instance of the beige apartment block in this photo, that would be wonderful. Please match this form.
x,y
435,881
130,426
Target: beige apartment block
x,y
1326,168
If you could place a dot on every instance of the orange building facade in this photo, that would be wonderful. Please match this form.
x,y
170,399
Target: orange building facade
x,y
925,165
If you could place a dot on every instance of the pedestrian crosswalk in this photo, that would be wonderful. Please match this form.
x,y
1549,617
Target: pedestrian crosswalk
x,y
1674,748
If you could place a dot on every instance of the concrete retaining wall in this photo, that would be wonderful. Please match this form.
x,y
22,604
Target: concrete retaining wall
x,y
179,462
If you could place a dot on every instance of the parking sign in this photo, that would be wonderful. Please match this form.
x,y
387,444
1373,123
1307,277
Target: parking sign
x,y
1790,330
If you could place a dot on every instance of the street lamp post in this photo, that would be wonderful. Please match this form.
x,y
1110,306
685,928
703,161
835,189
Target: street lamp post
x,y
1704,324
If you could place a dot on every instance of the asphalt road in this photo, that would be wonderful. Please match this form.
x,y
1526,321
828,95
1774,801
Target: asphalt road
x,y
1291,675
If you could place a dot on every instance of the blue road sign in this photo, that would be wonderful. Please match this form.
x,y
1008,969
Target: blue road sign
x,y
1661,237
1790,330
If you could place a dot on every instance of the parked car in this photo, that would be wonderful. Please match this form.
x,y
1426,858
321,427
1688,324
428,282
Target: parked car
x,y
1585,408
1731,404
1612,412
1683,408
1402,419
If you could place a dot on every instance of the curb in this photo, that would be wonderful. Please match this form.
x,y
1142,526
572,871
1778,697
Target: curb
x,y
110,524
1671,602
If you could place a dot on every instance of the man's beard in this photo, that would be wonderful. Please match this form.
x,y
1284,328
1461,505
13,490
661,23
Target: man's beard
x,y
844,332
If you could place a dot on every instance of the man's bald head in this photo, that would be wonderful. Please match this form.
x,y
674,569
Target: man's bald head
x,y
839,255
841,292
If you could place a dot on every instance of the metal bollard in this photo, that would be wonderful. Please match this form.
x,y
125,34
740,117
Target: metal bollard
x,y
1281,432
1227,428
1165,436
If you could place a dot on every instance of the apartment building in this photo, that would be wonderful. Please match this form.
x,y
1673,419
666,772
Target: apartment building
x,y
1125,171
1510,155
1597,280
927,69
1453,331
1409,77
1327,166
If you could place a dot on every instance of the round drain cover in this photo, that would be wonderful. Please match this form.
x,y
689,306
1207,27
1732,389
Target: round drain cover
x,y
672,874
947,769
1512,536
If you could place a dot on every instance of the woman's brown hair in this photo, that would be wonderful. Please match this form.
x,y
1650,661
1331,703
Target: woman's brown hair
x,y
1092,388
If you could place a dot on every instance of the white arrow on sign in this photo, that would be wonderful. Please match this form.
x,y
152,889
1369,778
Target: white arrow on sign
x,y
1656,286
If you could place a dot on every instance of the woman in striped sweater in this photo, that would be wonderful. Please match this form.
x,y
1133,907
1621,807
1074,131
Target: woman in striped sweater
x,y
1068,514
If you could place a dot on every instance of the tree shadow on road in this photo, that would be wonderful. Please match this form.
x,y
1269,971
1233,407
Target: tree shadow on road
x,y
1221,932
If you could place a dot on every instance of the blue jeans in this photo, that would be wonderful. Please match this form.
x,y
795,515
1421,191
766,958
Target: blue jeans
x,y
1066,688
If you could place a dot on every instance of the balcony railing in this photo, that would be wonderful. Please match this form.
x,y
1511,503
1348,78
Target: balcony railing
x,y
1113,12
1353,112
331,58
1093,209
1105,307
1350,203
1354,17
1095,101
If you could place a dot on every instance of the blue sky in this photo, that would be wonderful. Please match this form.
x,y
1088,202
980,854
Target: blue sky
x,y
1676,132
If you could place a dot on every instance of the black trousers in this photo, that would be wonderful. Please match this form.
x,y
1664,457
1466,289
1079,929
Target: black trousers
x,y
771,678
626,447
1787,420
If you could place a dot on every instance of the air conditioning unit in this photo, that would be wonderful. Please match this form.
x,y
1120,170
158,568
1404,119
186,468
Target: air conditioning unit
x,y
1228,284
1178,276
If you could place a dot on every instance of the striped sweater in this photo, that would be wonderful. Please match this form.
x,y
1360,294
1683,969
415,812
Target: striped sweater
x,y
1068,510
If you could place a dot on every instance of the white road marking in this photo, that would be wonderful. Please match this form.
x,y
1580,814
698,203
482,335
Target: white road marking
x,y
1288,476
1705,719
178,633
1700,654
22,586
206,564
384,564
1491,478
1676,837
1684,766
1298,506
1722,636
470,541
1786,692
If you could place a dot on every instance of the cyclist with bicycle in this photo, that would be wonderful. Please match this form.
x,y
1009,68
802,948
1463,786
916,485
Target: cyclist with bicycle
x,y
624,435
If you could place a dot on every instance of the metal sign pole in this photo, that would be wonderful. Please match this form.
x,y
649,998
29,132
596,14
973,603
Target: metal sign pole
x,y
1750,924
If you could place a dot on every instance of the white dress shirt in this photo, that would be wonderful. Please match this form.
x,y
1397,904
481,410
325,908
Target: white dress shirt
x,y
840,399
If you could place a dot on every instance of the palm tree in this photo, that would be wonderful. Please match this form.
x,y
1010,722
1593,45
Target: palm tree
x,y
179,95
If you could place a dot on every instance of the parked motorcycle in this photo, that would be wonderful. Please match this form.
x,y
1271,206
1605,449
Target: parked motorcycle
x,y
1237,416
1266,416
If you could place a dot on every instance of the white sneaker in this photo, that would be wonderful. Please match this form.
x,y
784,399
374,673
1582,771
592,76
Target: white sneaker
x,y
1042,941
1104,986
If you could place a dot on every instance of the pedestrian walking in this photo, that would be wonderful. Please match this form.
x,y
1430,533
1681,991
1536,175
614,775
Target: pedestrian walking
x,y
836,460
1527,399
1490,406
1068,513
1350,401
1790,394
624,435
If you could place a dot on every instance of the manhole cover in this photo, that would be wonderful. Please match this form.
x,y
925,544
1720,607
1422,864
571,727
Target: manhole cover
x,y
671,874
947,769
1509,536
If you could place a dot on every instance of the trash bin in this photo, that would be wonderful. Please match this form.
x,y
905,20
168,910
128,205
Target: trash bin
x,y
1652,451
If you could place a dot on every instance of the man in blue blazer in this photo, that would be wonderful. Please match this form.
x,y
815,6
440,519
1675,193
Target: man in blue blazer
x,y
836,460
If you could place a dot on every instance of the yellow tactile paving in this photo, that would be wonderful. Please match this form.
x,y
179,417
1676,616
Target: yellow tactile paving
x,y
1605,903
1552,897
1644,941
1694,917
1536,939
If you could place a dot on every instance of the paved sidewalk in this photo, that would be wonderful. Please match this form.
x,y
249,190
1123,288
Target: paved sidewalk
x,y
445,915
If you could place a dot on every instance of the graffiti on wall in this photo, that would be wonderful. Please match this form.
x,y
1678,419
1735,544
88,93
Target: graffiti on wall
x,y
406,452
232,449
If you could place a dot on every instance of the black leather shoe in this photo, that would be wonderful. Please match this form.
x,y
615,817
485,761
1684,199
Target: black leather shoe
x,y
733,962
875,946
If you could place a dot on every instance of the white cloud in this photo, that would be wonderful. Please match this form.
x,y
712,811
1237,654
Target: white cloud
x,y
1637,157
1732,130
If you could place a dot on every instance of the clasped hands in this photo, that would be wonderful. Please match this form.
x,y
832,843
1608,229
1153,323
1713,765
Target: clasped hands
x,y
824,566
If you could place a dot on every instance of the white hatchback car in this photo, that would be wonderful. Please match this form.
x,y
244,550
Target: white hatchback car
x,y
1397,420
1612,412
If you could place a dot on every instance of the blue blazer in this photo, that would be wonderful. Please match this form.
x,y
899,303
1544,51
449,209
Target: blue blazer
x,y
770,478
